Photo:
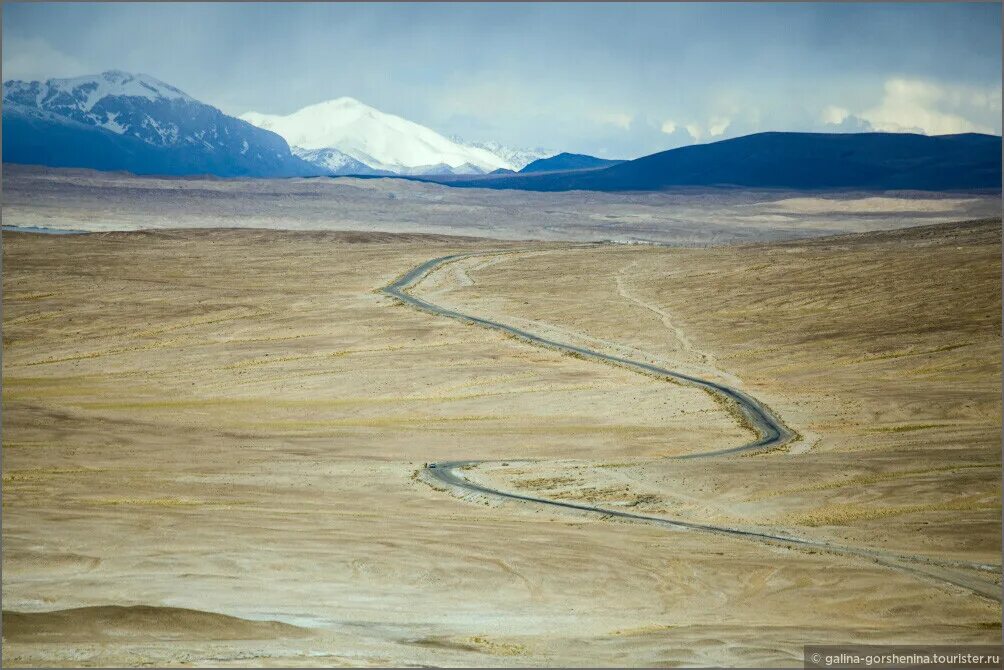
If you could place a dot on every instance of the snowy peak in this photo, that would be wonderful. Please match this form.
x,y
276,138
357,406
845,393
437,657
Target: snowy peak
x,y
176,133
317,126
333,161
118,83
339,136
126,104
516,158
381,141
83,93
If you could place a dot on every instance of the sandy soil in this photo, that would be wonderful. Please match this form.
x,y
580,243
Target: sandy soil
x,y
882,350
221,430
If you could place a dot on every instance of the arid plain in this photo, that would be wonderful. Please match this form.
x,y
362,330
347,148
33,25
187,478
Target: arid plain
x,y
214,439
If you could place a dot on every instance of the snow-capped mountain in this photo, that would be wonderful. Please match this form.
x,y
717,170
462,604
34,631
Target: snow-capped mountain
x,y
159,129
517,159
111,100
383,142
121,121
333,161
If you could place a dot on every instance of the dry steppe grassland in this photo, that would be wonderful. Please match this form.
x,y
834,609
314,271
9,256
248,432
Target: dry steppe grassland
x,y
102,202
213,446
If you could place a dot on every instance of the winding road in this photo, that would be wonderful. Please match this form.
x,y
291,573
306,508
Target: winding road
x,y
770,429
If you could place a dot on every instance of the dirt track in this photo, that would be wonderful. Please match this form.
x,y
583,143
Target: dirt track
x,y
237,441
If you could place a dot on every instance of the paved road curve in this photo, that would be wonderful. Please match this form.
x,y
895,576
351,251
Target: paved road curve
x,y
771,433
771,430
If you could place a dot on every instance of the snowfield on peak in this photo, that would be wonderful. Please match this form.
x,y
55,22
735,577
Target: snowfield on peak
x,y
134,122
85,92
379,140
333,161
516,158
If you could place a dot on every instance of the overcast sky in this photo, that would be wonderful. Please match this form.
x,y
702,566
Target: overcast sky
x,y
616,81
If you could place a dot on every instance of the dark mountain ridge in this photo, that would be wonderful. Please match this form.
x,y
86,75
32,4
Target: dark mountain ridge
x,y
871,161
566,161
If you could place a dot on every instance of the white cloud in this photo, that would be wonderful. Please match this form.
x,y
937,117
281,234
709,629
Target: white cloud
x,y
833,115
911,105
618,119
715,127
34,59
668,127
718,125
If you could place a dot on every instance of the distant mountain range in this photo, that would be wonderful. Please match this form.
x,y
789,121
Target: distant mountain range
x,y
120,121
133,122
384,143
870,161
516,158
334,162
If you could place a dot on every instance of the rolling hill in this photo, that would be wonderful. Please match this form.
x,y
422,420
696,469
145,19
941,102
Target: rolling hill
x,y
876,161
566,161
